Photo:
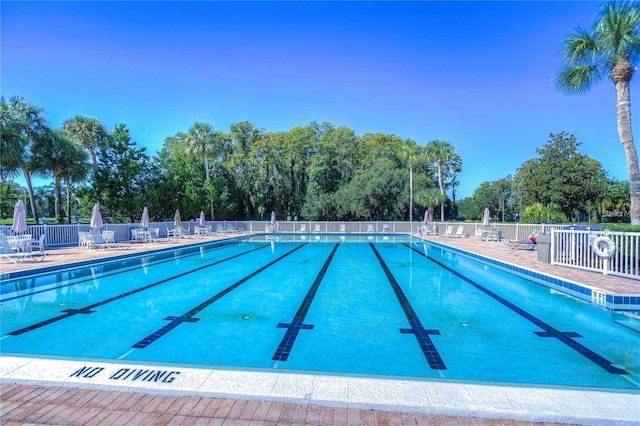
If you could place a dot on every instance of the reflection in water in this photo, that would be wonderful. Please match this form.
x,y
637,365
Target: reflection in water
x,y
144,261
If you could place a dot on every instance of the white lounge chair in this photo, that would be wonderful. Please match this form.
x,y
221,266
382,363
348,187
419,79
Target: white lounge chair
x,y
99,242
303,227
385,228
448,231
370,228
316,228
460,232
517,245
343,228
19,255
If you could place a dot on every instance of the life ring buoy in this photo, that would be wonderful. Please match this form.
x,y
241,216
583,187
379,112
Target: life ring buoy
x,y
604,246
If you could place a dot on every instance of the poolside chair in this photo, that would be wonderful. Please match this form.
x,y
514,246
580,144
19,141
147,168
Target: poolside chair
x,y
109,236
493,235
517,245
370,229
385,227
99,242
448,231
316,228
37,248
460,232
19,255
343,228
84,240
303,227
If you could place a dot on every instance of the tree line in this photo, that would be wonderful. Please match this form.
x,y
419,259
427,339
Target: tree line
x,y
312,172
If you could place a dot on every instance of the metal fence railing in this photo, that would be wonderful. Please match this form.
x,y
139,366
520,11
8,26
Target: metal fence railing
x,y
569,247
575,248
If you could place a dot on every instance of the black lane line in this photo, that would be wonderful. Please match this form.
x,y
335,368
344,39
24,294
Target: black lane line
x,y
549,331
109,274
422,335
297,324
175,321
89,309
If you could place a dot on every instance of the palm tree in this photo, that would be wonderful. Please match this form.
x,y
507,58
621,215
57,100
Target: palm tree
x,y
443,155
91,133
430,198
412,153
21,124
202,142
609,48
65,157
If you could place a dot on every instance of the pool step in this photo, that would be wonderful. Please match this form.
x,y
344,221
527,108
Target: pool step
x,y
628,320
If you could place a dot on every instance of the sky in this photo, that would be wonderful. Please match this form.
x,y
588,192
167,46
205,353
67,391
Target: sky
x,y
477,74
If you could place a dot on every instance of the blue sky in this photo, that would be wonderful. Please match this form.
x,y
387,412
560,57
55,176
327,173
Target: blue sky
x,y
478,74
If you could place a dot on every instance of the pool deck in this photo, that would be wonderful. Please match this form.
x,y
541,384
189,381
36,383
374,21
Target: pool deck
x,y
39,391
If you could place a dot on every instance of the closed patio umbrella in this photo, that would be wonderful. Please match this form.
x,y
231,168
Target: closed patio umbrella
x,y
144,220
176,220
485,217
96,217
273,218
19,218
203,221
426,218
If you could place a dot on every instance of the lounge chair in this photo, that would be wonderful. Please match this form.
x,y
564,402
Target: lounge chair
x,y
303,227
316,228
385,227
449,231
343,228
518,245
370,229
16,255
100,242
460,232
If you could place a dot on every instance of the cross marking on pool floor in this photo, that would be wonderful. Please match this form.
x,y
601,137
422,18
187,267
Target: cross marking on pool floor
x,y
89,309
297,324
422,335
549,331
188,317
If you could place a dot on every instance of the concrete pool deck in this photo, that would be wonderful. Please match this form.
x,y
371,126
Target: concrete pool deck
x,y
346,400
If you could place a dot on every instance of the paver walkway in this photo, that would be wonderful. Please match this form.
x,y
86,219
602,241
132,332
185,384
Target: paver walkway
x,y
21,405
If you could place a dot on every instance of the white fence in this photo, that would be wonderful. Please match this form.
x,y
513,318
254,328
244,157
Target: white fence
x,y
571,248
574,248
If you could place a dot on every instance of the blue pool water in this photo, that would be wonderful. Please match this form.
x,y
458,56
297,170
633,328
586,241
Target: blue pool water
x,y
375,306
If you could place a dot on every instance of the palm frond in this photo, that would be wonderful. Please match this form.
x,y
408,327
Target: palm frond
x,y
577,79
618,31
580,48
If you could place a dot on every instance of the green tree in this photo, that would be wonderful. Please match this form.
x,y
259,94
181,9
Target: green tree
x,y
203,142
91,133
121,177
443,155
60,153
430,198
560,175
21,125
609,48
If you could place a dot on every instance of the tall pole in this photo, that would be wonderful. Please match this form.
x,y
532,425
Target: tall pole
x,y
410,196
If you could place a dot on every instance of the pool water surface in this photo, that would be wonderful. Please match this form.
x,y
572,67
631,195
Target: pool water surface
x,y
363,306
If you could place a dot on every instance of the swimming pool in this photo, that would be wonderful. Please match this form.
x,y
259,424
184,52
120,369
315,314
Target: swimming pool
x,y
360,306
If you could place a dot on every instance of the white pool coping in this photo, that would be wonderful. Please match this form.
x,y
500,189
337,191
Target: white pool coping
x,y
531,404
